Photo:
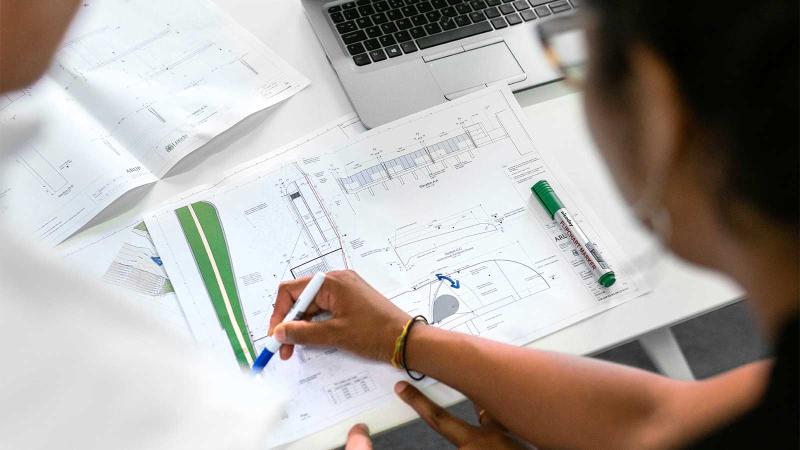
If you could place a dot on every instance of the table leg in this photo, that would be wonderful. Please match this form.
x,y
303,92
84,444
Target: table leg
x,y
662,348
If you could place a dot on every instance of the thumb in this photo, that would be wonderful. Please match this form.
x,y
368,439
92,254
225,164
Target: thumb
x,y
306,333
358,438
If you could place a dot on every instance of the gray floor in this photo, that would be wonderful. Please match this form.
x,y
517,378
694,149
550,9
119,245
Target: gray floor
x,y
712,343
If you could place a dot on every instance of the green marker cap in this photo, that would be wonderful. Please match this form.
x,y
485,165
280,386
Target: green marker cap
x,y
547,197
608,279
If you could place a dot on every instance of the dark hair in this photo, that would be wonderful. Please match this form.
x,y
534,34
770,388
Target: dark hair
x,y
736,64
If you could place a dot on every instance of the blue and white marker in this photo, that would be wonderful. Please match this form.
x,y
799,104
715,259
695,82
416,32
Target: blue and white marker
x,y
296,313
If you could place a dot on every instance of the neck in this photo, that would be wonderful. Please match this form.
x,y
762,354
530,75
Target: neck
x,y
766,265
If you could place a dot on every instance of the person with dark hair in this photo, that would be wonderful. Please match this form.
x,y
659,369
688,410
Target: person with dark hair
x,y
694,106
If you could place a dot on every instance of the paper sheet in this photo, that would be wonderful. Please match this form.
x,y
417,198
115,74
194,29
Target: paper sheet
x,y
124,257
135,86
434,210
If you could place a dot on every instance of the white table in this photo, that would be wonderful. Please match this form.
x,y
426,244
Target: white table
x,y
681,293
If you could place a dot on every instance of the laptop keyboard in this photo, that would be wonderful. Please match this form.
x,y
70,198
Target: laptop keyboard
x,y
376,30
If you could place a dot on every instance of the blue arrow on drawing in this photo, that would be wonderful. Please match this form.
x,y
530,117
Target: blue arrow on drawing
x,y
455,284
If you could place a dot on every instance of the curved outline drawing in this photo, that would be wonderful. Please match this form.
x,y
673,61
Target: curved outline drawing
x,y
476,288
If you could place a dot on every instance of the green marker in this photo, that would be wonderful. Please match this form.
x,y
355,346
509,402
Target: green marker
x,y
587,249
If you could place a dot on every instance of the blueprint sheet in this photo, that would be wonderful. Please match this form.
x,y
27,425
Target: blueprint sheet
x,y
434,210
135,86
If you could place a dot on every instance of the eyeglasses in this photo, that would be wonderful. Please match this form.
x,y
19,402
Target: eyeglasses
x,y
564,41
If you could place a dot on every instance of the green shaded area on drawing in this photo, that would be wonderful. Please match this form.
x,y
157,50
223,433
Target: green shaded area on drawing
x,y
207,219
168,287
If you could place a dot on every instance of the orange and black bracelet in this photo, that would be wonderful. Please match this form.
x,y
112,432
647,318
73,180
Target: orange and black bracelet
x,y
399,355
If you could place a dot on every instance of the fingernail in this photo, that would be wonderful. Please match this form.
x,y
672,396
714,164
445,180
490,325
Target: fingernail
x,y
400,387
280,334
363,427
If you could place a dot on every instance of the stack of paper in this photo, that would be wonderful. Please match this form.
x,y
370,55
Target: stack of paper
x,y
122,254
434,210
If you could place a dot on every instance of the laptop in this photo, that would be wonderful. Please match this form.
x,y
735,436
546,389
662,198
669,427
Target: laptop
x,y
397,57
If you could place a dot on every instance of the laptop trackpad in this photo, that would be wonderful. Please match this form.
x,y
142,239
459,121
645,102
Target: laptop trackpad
x,y
474,68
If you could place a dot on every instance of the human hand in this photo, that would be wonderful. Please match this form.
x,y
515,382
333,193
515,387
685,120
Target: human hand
x,y
358,438
363,321
490,433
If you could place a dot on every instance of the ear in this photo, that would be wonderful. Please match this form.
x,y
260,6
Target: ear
x,y
661,117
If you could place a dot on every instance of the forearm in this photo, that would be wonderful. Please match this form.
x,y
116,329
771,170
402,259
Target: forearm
x,y
550,399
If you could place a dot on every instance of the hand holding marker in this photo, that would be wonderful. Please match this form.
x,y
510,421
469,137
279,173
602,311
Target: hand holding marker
x,y
296,313
586,248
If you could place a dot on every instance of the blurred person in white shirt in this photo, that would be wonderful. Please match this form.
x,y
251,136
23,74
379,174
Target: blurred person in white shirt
x,y
81,367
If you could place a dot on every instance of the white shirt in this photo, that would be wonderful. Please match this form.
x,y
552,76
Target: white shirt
x,y
82,368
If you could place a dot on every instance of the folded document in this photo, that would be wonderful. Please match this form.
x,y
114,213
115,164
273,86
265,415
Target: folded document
x,y
135,86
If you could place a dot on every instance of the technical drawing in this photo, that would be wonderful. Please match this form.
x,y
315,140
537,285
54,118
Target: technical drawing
x,y
430,159
205,235
443,307
350,388
134,268
139,268
143,58
10,98
318,228
285,205
414,243
188,55
138,56
494,270
45,173
124,257
463,298
164,70
325,263
311,216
